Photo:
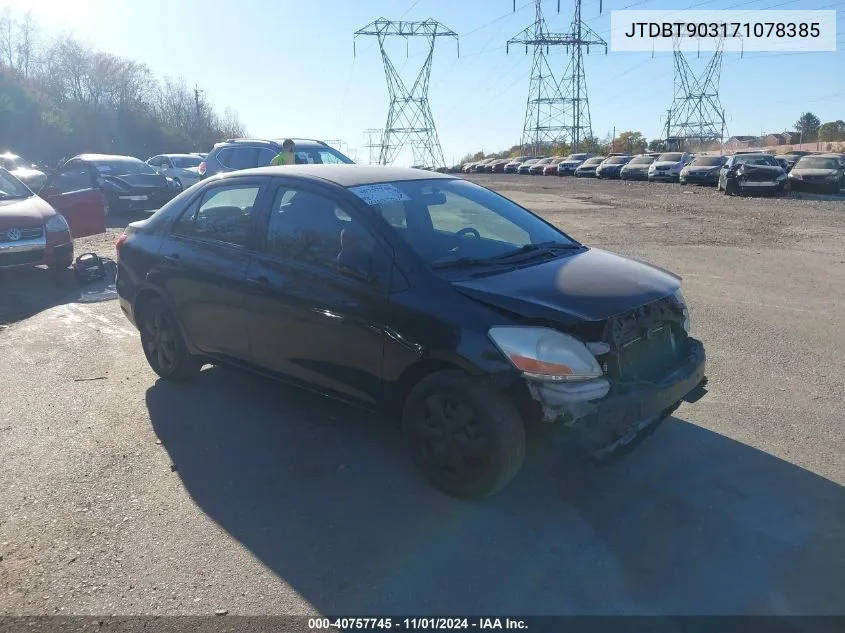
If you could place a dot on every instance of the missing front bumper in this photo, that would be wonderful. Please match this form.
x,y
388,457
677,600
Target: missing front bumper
x,y
616,416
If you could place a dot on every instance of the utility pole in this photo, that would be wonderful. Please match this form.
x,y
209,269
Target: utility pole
x,y
409,118
197,93
556,111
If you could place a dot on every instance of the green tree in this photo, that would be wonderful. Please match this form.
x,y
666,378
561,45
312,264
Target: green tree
x,y
832,131
631,142
808,127
655,145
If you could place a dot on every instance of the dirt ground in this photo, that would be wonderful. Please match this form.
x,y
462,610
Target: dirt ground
x,y
122,494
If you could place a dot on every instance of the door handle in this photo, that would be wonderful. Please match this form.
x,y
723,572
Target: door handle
x,y
260,279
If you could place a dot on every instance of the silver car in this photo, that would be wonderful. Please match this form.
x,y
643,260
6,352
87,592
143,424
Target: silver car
x,y
668,166
28,174
182,168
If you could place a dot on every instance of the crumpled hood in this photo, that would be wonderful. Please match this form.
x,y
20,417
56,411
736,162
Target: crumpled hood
x,y
747,168
136,181
32,211
588,286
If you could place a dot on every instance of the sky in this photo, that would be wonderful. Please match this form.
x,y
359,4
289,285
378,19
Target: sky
x,y
287,66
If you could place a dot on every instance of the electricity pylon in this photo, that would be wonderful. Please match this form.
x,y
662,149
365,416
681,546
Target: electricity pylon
x,y
696,113
557,112
409,118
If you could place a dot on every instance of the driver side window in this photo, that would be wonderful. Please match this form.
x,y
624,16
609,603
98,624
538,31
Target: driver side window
x,y
460,213
73,178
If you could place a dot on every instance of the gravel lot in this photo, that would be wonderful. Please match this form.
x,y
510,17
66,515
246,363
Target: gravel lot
x,y
124,495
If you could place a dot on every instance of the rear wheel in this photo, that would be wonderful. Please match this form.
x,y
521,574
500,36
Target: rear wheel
x,y
163,344
468,440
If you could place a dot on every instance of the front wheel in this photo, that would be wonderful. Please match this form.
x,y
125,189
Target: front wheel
x,y
163,344
467,439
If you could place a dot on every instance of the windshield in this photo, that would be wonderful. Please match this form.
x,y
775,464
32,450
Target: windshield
x,y
545,161
617,160
12,162
708,161
446,220
670,158
817,162
531,161
761,159
123,167
185,162
642,160
594,161
576,157
11,187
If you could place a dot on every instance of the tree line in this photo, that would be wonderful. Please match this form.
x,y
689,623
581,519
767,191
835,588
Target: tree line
x,y
59,98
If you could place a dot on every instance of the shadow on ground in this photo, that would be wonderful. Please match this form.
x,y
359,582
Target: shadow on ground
x,y
690,522
28,290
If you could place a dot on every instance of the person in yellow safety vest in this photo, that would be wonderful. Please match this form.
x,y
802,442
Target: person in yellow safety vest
x,y
287,156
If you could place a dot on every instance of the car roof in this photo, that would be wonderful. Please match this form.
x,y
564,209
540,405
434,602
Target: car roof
x,y
304,142
103,157
179,155
344,175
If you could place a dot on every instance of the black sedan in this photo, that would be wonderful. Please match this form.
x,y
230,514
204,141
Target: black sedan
x,y
129,184
422,295
752,173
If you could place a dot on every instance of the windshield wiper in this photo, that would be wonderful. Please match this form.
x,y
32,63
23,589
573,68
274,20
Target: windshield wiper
x,y
539,248
465,262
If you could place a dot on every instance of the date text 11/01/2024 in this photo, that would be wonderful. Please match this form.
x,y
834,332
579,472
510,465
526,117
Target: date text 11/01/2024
x,y
414,624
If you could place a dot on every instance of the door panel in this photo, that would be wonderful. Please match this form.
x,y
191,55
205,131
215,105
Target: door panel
x,y
204,263
318,305
84,210
206,283
317,328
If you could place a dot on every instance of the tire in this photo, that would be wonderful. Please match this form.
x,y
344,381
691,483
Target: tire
x,y
163,344
730,188
449,408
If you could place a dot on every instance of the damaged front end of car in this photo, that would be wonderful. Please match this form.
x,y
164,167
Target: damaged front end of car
x,y
637,369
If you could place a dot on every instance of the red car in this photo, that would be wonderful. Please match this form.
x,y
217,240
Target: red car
x,y
36,230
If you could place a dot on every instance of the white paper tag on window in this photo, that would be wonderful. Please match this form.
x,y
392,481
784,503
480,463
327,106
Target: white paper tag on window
x,y
379,194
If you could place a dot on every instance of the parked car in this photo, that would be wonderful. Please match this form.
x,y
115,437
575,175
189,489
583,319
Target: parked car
x,y
498,166
481,166
784,164
513,166
587,169
703,170
127,183
200,154
182,168
752,173
668,166
27,173
568,165
551,168
637,167
401,301
525,166
611,167
536,169
467,167
35,231
244,153
793,157
818,172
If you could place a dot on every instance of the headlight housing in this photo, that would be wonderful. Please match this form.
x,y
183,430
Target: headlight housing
x,y
546,354
57,224
781,177
682,303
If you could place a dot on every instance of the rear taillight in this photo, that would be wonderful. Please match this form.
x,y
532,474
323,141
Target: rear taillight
x,y
201,169
120,241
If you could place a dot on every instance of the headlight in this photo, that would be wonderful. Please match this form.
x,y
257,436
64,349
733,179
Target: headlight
x,y
833,177
795,176
781,177
57,224
545,353
679,299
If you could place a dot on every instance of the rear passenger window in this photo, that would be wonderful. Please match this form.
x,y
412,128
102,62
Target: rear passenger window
x,y
265,155
239,158
223,215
